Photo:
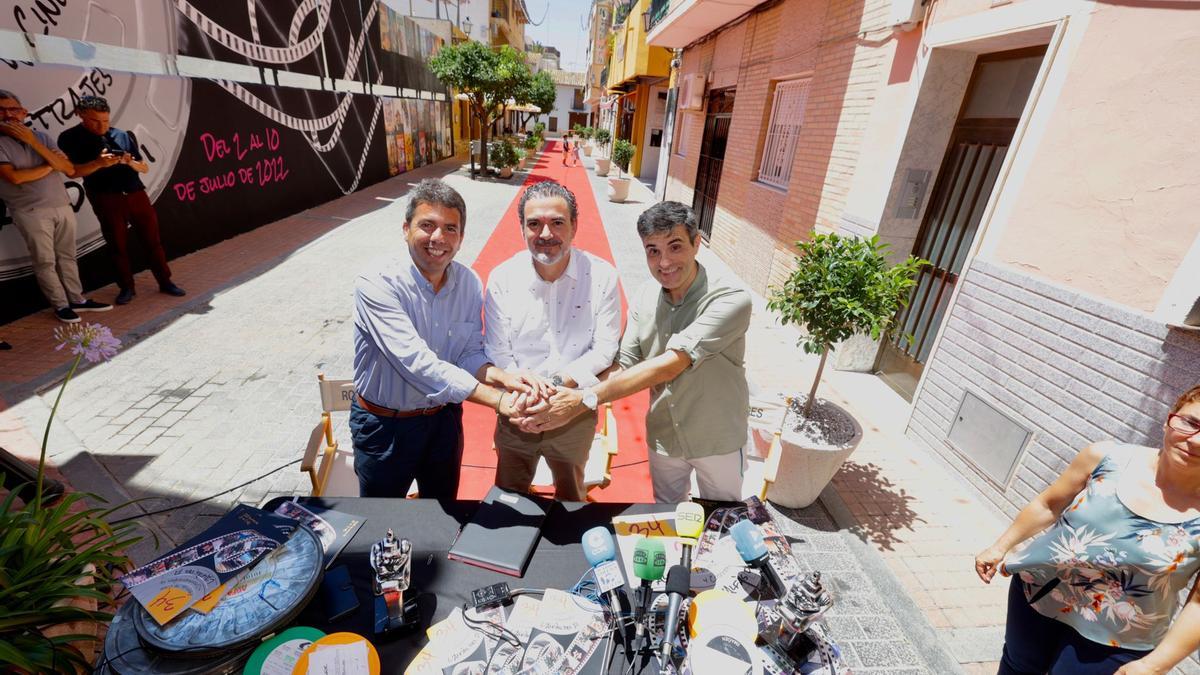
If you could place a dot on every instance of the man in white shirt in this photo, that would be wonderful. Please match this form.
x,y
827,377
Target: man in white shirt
x,y
552,313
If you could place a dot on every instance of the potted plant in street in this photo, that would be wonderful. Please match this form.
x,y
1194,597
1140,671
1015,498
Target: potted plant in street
x,y
586,133
618,186
602,163
520,157
532,142
503,155
539,130
842,286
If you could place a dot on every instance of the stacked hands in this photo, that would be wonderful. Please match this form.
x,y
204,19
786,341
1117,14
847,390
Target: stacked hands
x,y
534,404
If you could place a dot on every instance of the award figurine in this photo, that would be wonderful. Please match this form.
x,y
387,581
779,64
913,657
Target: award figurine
x,y
802,607
391,558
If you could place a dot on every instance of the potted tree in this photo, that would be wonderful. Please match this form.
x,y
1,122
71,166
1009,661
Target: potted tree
x,y
842,286
586,133
602,163
503,155
618,186
532,143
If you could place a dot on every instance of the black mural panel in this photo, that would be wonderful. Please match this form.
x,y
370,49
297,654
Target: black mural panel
x,y
242,165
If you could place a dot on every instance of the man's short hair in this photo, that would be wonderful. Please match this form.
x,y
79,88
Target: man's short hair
x,y
4,93
435,192
545,190
93,103
663,217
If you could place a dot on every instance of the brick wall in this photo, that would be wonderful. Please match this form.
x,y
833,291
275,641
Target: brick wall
x,y
1070,367
755,222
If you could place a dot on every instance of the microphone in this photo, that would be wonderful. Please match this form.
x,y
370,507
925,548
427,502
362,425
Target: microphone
x,y
678,585
689,523
748,539
601,554
649,562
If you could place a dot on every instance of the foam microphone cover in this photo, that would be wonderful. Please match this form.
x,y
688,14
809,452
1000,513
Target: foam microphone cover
x,y
748,539
598,546
649,559
689,520
679,580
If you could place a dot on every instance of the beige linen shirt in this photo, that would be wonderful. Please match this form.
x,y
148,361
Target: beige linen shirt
x,y
703,411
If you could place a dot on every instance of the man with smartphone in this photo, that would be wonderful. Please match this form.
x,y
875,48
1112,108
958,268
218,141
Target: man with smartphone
x,y
109,161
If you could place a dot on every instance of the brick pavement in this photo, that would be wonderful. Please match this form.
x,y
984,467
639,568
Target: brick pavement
x,y
216,388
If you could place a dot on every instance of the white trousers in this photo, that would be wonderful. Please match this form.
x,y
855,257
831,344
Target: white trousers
x,y
718,477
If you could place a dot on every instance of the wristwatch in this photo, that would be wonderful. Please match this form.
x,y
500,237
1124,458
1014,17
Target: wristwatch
x,y
590,399
557,380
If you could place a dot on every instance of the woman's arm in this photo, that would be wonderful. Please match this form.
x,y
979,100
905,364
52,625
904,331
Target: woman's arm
x,y
1041,512
1182,639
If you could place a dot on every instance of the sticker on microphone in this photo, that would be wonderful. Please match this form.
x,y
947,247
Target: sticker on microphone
x,y
608,576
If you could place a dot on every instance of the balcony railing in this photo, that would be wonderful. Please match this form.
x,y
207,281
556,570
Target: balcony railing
x,y
658,10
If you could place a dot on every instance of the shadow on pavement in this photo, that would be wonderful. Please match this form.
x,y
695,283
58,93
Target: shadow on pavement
x,y
889,509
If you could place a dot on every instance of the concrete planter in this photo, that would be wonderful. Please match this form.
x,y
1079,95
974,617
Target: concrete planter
x,y
805,468
506,172
521,164
587,150
603,164
618,189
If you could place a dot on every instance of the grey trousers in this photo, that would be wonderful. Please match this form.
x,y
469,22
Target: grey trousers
x,y
50,236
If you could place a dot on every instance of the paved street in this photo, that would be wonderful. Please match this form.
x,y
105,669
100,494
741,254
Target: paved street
x,y
213,392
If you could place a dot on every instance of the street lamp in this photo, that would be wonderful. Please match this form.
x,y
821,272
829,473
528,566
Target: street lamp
x,y
646,21
466,26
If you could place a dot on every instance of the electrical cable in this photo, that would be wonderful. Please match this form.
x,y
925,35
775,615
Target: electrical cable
x,y
208,498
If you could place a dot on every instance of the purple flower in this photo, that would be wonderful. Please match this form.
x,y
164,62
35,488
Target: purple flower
x,y
92,341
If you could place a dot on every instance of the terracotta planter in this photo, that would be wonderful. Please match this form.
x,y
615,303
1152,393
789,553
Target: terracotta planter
x,y
521,164
618,189
506,172
806,468
603,164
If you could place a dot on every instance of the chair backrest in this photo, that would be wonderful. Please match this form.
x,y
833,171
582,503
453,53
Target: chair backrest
x,y
336,394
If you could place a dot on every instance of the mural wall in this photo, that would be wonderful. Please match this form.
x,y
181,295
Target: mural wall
x,y
227,156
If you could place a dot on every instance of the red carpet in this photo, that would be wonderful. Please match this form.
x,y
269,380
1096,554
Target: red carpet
x,y
631,471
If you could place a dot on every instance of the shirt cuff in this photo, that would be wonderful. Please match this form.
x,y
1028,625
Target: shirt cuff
x,y
583,377
688,344
460,386
473,363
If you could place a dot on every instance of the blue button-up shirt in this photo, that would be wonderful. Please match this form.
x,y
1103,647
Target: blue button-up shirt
x,y
414,348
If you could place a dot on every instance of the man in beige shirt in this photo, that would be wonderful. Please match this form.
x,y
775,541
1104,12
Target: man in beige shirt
x,y
686,342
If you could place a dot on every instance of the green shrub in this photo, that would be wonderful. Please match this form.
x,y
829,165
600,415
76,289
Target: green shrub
x,y
502,154
602,137
622,154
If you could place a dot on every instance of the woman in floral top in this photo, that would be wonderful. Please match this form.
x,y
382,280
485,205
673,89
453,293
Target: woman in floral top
x,y
1109,547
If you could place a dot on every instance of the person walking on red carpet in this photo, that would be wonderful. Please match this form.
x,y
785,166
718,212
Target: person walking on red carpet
x,y
685,340
566,148
552,314
418,354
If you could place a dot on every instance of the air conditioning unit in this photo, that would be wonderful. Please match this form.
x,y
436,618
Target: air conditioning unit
x,y
691,91
906,14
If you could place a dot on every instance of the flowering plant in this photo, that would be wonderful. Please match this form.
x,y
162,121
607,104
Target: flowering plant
x,y
59,560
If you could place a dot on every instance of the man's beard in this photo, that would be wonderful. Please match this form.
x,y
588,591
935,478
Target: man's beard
x,y
549,258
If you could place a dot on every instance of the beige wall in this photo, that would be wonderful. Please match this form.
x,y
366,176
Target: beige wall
x,y
1108,204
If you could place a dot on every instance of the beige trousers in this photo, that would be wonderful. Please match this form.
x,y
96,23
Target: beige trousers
x,y
565,450
50,236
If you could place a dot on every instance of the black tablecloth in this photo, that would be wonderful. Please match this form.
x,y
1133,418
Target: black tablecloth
x,y
431,526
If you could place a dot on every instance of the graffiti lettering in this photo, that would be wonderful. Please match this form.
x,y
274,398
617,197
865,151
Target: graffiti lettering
x,y
262,172
45,11
94,82
211,185
271,170
238,145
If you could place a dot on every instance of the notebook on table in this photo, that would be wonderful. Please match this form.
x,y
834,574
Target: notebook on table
x,y
503,532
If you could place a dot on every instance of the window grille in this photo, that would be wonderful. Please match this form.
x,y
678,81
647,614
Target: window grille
x,y
787,117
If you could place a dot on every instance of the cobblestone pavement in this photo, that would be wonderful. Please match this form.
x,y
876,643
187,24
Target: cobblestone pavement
x,y
219,390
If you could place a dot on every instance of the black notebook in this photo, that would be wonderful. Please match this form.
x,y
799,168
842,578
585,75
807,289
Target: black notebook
x,y
503,532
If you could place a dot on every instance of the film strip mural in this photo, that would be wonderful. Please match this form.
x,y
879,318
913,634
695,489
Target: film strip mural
x,y
227,156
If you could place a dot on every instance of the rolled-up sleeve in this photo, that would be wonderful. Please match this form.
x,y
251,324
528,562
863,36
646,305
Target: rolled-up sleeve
x,y
724,320
630,351
381,317
606,337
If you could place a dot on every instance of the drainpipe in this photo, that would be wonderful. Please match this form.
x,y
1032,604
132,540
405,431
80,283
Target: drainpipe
x,y
664,156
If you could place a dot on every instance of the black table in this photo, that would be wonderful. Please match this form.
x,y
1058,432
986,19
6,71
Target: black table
x,y
431,526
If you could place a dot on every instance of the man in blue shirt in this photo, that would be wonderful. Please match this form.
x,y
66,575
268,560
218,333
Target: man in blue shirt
x,y
418,354
109,161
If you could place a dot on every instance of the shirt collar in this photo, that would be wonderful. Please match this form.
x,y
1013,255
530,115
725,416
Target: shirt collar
x,y
572,270
422,282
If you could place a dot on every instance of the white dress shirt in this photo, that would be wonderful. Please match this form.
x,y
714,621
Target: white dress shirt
x,y
571,326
